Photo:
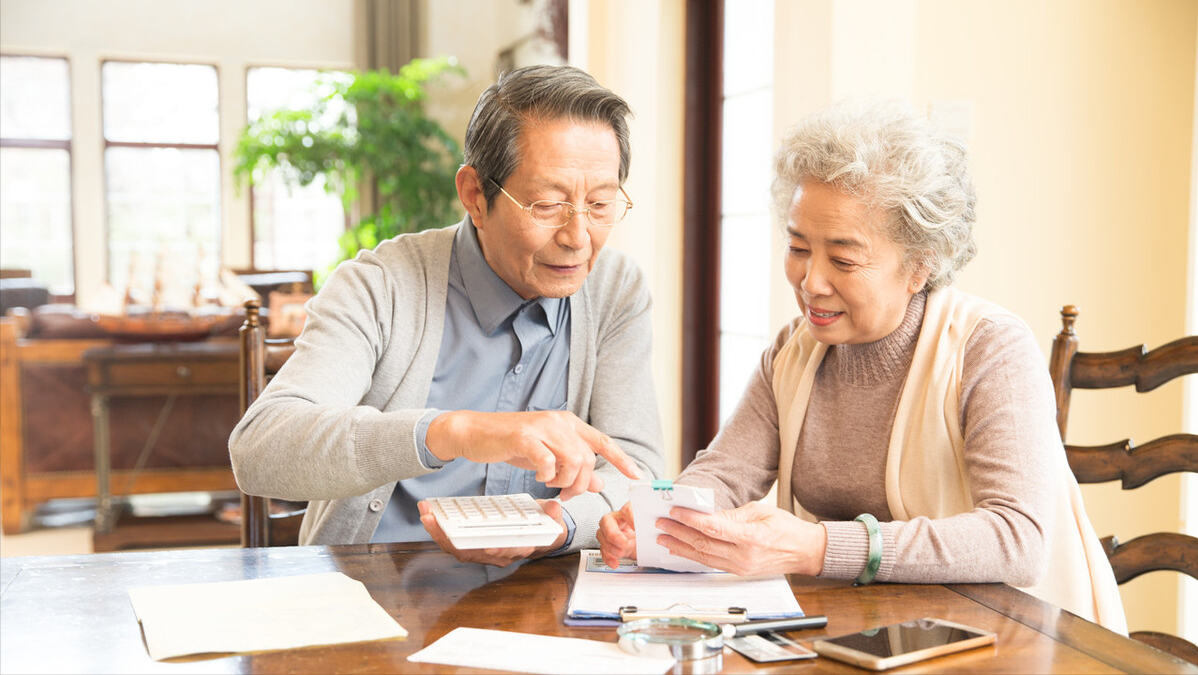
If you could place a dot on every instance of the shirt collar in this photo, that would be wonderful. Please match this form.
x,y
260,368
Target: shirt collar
x,y
492,300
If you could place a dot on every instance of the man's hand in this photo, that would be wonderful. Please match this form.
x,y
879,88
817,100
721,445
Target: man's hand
x,y
557,445
617,536
500,557
750,539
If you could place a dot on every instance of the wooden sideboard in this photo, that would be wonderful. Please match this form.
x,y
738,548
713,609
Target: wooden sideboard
x,y
47,444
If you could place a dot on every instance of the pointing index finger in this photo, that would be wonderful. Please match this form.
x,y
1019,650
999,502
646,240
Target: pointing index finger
x,y
609,450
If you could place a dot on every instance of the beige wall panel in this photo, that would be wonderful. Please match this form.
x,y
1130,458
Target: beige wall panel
x,y
1081,140
1081,119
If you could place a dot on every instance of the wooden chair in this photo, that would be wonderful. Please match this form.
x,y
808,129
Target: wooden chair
x,y
1124,461
262,357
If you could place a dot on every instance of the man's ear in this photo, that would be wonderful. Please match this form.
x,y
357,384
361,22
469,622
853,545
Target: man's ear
x,y
470,193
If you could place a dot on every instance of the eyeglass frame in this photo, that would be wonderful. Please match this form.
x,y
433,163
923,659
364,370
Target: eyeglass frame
x,y
574,210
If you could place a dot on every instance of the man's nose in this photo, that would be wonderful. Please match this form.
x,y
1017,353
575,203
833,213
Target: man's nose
x,y
575,233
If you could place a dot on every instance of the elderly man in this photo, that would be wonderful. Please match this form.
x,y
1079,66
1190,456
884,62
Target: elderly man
x,y
503,354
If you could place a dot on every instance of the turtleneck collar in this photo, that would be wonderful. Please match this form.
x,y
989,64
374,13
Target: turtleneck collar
x,y
885,359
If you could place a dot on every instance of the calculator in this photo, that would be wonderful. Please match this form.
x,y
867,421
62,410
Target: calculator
x,y
494,521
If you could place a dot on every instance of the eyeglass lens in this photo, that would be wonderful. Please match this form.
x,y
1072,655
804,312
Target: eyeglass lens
x,y
557,214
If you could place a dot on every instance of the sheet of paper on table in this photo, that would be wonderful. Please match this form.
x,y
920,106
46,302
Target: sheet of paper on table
x,y
259,615
524,653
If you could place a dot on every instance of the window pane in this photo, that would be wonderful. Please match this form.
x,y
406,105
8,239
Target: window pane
x,y
748,155
35,215
35,99
273,88
163,220
739,356
747,148
294,227
160,103
748,45
745,275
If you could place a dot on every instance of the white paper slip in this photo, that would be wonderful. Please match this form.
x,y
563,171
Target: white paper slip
x,y
524,653
653,500
259,614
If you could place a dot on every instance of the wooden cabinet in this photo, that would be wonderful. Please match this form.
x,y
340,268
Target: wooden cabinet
x,y
47,443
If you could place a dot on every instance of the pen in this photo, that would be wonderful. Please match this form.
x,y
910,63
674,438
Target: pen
x,y
778,625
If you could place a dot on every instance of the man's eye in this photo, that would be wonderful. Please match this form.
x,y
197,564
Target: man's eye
x,y
545,209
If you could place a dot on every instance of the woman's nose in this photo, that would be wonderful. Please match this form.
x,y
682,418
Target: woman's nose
x,y
815,281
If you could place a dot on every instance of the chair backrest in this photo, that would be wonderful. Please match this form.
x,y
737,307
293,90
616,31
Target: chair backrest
x,y
1133,465
262,357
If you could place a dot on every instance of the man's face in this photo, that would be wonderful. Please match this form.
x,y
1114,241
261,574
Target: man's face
x,y
563,161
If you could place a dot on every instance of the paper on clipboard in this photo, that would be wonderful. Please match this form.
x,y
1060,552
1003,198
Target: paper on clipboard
x,y
653,500
600,593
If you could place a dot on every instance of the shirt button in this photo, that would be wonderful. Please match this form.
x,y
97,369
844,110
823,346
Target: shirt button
x,y
376,505
519,367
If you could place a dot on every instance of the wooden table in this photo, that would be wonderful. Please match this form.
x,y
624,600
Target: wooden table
x,y
72,614
149,369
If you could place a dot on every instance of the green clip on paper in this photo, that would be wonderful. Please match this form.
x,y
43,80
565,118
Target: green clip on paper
x,y
662,484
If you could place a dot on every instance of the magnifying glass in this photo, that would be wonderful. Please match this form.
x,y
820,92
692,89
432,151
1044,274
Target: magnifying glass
x,y
674,637
689,639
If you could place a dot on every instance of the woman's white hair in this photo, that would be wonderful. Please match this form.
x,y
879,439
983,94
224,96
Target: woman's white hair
x,y
886,155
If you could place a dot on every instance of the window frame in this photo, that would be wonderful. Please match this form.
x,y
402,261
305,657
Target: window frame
x,y
50,144
218,252
701,226
251,228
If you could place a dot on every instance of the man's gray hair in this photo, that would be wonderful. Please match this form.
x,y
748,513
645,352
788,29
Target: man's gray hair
x,y
886,155
537,93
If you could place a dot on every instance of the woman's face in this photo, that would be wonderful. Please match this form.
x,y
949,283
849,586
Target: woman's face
x,y
848,277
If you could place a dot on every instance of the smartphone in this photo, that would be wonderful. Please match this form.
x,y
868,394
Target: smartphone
x,y
768,647
902,643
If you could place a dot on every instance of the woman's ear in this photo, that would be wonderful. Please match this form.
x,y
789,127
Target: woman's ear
x,y
470,193
920,273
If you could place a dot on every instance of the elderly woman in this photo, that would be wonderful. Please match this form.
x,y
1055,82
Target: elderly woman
x,y
910,427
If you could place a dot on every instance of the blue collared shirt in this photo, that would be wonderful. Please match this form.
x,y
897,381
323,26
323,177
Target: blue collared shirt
x,y
499,353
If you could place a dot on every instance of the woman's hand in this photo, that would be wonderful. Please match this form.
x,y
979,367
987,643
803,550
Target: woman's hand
x,y
617,536
751,539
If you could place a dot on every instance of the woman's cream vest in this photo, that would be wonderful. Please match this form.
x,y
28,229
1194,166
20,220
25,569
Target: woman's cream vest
x,y
934,481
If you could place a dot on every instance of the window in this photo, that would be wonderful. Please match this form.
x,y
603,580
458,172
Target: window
x,y
162,170
35,170
293,227
745,222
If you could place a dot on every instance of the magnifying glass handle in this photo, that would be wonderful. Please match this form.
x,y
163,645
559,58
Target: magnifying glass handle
x,y
778,625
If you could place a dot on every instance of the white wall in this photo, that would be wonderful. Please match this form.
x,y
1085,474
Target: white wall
x,y
230,34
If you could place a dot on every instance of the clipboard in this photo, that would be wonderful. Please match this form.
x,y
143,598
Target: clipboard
x,y
653,500
605,596
682,610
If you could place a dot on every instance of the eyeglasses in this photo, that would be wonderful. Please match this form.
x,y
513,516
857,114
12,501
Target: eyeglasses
x,y
557,214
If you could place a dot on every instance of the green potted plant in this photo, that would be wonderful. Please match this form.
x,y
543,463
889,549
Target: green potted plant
x,y
365,126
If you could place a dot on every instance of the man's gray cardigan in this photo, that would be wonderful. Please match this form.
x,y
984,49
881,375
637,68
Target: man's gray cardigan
x,y
336,426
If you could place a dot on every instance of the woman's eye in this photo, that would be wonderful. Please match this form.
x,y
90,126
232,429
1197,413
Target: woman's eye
x,y
797,250
843,264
